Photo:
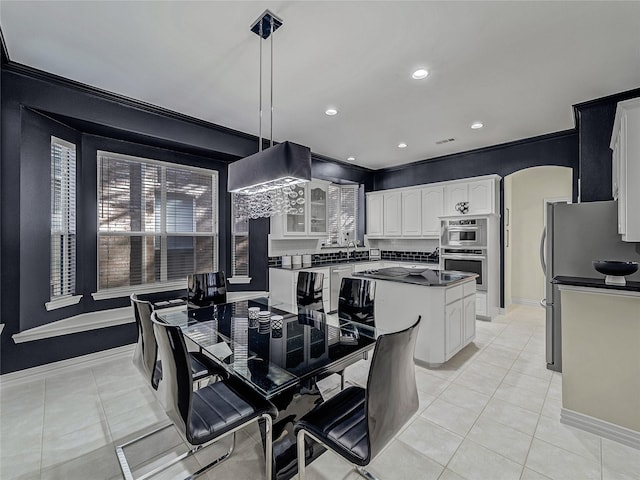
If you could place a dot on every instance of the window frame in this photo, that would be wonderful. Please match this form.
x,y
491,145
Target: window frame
x,y
341,230
167,285
68,210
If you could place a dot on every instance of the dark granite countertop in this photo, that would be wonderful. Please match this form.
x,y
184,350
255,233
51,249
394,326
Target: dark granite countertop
x,y
354,262
595,283
427,278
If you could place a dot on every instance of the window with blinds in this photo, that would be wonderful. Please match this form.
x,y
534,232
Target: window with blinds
x,y
63,219
343,214
239,242
157,222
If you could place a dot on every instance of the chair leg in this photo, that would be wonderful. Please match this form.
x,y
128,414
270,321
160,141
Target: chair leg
x,y
122,459
301,455
365,473
128,475
342,380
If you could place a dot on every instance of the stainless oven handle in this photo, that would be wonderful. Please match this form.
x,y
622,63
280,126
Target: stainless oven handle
x,y
463,257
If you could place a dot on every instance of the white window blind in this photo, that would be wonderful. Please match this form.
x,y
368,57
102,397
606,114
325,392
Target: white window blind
x,y
343,214
157,222
63,219
239,242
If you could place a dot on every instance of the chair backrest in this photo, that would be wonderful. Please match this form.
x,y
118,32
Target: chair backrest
x,y
205,289
356,300
309,290
177,381
392,396
145,355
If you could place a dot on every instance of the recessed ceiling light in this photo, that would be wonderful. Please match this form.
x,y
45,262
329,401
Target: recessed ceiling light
x,y
351,159
419,74
331,111
477,125
402,145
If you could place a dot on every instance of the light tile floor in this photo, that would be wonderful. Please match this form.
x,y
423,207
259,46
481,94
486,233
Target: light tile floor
x,y
490,413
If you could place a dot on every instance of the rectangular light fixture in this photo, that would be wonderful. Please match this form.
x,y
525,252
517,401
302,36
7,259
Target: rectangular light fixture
x,y
275,167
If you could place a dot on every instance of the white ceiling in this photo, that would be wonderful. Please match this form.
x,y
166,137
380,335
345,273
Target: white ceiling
x,y
515,66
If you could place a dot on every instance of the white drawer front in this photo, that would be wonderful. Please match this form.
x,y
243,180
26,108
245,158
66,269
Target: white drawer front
x,y
453,293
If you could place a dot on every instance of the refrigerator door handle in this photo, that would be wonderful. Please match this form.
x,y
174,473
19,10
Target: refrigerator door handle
x,y
542,241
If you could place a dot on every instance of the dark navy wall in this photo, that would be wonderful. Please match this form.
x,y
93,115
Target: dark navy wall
x,y
594,122
555,149
35,106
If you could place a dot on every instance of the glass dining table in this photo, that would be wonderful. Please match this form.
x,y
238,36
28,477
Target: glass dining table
x,y
281,355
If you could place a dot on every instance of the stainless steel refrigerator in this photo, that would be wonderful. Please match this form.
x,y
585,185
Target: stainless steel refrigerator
x,y
575,235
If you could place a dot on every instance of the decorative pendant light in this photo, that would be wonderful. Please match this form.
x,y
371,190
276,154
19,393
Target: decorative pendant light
x,y
265,182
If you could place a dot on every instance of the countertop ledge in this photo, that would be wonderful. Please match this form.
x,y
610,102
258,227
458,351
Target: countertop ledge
x,y
596,283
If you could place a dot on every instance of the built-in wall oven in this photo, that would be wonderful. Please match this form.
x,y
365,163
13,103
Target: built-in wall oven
x,y
472,260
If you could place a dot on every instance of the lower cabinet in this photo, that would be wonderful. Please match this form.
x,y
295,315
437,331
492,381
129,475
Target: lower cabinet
x,y
460,318
453,328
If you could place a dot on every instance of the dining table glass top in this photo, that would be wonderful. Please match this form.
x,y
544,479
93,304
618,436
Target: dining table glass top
x,y
273,352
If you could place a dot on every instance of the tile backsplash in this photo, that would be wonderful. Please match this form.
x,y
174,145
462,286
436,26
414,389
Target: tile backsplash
x,y
336,257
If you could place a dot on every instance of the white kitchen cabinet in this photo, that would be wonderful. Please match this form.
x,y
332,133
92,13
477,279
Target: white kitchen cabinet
x,y
375,203
412,213
625,143
480,195
481,304
432,209
444,329
469,317
416,211
318,208
392,217
453,328
311,219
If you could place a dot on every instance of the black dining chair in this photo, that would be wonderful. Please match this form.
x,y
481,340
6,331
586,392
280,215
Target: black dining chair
x,y
145,356
206,289
206,415
356,303
358,423
309,290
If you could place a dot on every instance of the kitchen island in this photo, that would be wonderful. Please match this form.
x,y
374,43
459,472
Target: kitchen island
x,y
445,300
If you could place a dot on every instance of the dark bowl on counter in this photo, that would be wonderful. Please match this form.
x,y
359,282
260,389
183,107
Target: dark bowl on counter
x,y
615,267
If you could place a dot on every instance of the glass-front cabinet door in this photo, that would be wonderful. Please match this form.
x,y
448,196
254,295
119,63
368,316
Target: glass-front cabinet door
x,y
296,219
318,208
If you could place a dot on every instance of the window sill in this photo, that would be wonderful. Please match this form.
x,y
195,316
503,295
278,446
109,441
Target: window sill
x,y
103,319
62,302
238,280
150,288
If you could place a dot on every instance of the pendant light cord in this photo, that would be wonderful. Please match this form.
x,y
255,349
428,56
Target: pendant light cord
x,y
260,93
271,86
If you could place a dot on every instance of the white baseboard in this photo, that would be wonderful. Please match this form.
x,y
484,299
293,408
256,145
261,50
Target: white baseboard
x,y
603,428
65,366
526,301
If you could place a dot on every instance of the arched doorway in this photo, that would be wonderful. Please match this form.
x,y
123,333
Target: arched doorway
x,y
525,194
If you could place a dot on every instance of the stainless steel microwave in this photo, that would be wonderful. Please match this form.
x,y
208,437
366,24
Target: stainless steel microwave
x,y
465,232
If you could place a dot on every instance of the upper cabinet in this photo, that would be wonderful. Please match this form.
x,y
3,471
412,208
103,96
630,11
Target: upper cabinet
x,y
412,213
392,217
625,143
432,210
416,211
318,208
374,214
478,195
311,217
